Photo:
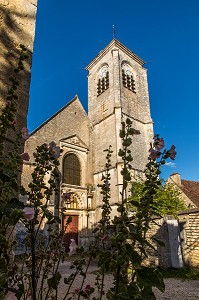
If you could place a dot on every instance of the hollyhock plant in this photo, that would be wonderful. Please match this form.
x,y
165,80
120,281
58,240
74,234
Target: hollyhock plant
x,y
8,102
24,132
55,149
159,144
172,153
136,131
25,156
88,289
10,296
154,154
75,293
66,196
29,213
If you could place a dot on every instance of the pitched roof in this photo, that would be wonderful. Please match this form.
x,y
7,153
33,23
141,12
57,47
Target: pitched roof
x,y
55,114
191,190
117,44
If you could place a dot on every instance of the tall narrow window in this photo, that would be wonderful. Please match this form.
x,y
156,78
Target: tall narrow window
x,y
71,169
103,80
127,78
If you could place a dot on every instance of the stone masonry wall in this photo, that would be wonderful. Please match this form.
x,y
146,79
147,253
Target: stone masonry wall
x,y
188,222
189,234
72,119
17,23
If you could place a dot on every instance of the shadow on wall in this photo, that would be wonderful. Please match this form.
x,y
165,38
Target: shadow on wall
x,y
189,234
82,238
17,27
180,238
168,253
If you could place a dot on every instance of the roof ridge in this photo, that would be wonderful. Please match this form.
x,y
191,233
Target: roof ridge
x,y
56,113
122,47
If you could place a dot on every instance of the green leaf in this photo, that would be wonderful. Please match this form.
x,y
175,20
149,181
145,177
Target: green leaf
x,y
150,277
54,281
20,291
160,242
122,134
148,294
134,257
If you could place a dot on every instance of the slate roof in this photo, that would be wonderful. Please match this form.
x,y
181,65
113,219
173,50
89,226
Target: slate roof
x,y
191,190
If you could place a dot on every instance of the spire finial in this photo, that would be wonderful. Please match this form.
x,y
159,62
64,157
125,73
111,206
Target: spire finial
x,y
113,30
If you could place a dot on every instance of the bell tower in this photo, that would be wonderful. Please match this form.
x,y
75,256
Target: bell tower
x,y
118,89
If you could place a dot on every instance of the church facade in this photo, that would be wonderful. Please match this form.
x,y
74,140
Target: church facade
x,y
117,89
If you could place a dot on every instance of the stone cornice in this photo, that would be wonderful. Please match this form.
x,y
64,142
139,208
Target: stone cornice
x,y
114,43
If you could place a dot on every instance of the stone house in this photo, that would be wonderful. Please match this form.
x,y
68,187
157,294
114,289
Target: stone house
x,y
189,189
117,89
180,235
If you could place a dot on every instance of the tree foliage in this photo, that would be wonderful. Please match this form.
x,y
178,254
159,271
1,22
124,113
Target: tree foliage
x,y
167,200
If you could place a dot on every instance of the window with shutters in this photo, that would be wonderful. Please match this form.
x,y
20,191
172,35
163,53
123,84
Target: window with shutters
x,y
103,80
71,169
128,78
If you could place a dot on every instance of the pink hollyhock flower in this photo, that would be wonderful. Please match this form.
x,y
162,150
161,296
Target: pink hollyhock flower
x,y
66,196
55,149
10,296
136,131
29,213
172,153
24,132
25,156
72,247
159,144
88,287
8,102
107,184
76,292
154,154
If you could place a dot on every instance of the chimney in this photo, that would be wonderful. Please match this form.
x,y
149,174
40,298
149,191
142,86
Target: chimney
x,y
175,178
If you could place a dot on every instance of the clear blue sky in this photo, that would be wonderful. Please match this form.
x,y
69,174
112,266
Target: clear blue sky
x,y
165,34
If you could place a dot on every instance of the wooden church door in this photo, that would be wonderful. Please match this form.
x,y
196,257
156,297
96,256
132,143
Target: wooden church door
x,y
71,231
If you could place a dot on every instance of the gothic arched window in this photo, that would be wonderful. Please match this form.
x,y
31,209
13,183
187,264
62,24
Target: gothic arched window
x,y
71,169
127,78
103,80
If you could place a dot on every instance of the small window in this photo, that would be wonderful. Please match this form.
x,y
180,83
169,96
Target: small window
x,y
127,78
71,169
103,80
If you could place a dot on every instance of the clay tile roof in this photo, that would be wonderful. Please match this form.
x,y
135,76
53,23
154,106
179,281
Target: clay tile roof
x,y
191,190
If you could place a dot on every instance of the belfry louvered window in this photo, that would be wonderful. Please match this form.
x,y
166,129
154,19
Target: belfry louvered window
x,y
127,78
103,80
71,169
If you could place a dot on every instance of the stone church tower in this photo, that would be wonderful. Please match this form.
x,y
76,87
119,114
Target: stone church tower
x,y
117,89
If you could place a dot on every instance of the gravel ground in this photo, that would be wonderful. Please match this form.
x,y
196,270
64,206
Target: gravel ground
x,y
176,289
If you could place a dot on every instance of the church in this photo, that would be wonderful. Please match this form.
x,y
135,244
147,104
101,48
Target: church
x,y
117,89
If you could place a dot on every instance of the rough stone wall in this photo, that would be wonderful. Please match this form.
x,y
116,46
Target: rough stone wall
x,y
189,228
161,255
189,239
17,23
108,110
69,121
